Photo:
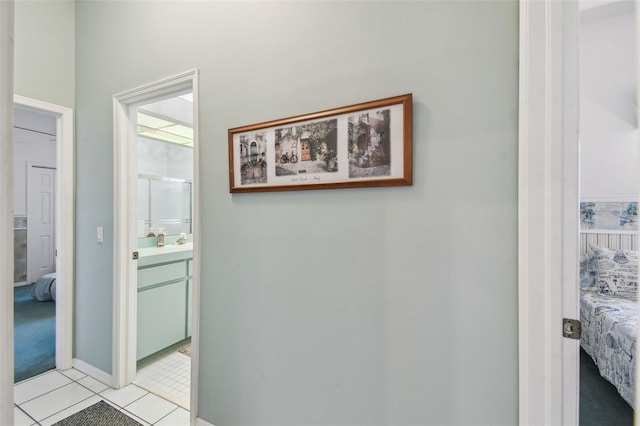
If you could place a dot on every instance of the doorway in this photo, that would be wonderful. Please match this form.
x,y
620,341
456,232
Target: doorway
x,y
164,211
608,207
34,167
156,192
43,227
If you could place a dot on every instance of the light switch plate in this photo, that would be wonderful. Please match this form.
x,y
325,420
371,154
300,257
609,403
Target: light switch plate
x,y
100,234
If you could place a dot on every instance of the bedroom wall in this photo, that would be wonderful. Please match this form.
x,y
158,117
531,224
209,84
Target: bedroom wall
x,y
608,102
359,306
30,146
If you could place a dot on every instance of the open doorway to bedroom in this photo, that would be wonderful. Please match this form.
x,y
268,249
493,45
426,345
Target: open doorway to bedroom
x,y
608,211
43,236
34,171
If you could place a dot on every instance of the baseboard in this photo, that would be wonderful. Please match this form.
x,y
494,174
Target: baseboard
x,y
92,371
200,422
20,284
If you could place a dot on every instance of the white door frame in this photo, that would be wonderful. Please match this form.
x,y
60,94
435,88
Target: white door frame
x,y
6,212
64,222
125,219
548,212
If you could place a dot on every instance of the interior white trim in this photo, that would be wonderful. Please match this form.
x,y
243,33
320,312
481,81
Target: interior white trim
x,y
92,371
122,243
637,394
548,385
125,297
195,297
6,212
65,219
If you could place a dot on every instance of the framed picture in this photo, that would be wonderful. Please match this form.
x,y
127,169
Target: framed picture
x,y
362,145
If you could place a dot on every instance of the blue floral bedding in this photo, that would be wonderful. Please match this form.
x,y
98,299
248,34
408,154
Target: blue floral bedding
x,y
609,330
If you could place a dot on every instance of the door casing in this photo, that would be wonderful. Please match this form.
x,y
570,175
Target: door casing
x,y
548,212
125,220
6,211
64,222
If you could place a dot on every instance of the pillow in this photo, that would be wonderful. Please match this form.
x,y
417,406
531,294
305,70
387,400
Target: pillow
x,y
587,272
616,272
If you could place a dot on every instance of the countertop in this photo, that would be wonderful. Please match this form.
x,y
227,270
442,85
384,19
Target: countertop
x,y
169,253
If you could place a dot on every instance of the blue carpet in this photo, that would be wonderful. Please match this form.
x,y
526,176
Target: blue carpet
x,y
600,402
34,334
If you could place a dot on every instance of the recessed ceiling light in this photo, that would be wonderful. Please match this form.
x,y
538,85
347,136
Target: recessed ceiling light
x,y
153,122
179,129
164,130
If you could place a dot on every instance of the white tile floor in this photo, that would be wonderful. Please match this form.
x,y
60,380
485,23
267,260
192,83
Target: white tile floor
x,y
52,396
167,375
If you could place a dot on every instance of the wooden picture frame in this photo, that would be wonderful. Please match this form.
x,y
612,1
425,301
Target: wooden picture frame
x,y
363,145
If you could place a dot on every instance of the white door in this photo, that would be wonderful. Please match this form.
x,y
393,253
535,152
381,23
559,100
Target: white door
x,y
40,221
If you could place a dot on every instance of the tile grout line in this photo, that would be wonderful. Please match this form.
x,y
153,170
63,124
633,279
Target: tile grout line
x,y
137,399
79,384
93,394
48,392
160,419
27,414
53,371
69,406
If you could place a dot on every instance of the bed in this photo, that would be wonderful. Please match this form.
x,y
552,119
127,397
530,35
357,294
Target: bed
x,y
609,314
44,289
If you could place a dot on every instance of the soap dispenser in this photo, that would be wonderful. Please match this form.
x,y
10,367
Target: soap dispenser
x,y
160,238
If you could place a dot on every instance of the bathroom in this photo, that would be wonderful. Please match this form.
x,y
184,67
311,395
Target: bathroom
x,y
165,246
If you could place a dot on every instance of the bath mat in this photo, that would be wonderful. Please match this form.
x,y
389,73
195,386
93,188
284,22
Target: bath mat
x,y
99,414
186,349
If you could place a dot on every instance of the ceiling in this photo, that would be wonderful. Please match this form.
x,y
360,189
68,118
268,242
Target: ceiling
x,y
169,120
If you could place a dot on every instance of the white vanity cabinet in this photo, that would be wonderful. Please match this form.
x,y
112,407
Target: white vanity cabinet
x,y
164,299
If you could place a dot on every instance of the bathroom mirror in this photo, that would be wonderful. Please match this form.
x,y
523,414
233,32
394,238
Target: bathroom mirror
x,y
164,203
165,166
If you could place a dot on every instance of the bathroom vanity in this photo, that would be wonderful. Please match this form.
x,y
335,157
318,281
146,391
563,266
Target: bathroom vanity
x,y
164,297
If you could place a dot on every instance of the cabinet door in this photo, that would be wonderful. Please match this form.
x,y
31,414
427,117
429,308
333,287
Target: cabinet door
x,y
161,317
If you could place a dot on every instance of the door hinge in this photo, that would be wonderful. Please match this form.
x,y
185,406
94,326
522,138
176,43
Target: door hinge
x,y
571,328
135,255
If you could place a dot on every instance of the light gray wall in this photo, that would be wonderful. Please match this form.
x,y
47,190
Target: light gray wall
x,y
341,307
45,50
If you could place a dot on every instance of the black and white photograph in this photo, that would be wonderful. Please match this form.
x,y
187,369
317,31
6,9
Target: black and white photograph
x,y
369,144
253,158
